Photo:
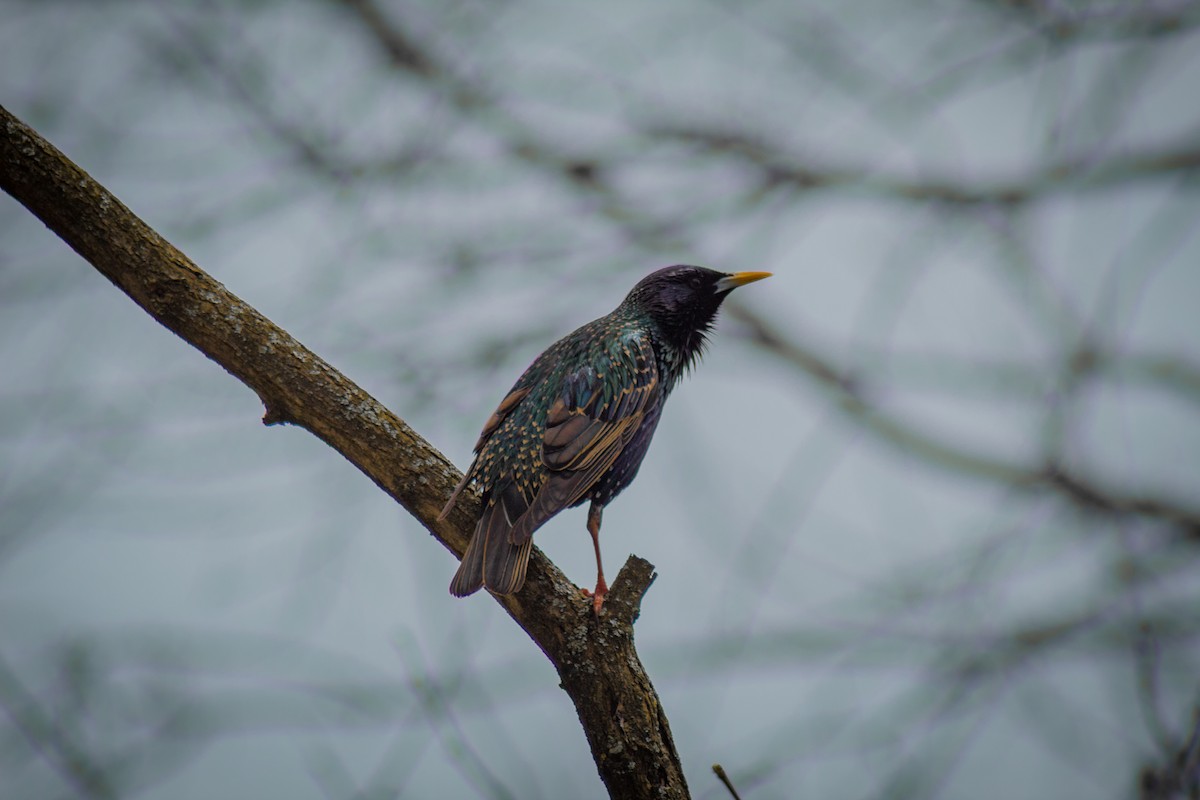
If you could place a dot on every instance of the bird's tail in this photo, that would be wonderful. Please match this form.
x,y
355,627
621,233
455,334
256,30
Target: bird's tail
x,y
492,559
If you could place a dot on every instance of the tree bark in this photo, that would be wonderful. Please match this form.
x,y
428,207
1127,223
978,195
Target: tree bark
x,y
596,660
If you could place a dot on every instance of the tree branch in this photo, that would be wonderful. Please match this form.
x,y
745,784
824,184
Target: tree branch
x,y
625,724
852,398
1178,776
1080,173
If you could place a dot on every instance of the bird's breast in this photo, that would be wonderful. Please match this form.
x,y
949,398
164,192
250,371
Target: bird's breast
x,y
626,467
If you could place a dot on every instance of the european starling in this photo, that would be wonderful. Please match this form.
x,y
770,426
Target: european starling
x,y
577,424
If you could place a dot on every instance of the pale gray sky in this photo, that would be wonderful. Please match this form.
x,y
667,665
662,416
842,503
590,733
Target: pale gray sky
x,y
835,615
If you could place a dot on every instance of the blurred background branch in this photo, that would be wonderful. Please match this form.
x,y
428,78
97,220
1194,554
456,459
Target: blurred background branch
x,y
926,522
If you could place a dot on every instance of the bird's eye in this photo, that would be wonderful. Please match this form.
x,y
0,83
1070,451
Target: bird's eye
x,y
694,283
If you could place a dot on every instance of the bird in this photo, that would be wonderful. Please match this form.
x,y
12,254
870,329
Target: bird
x,y
576,425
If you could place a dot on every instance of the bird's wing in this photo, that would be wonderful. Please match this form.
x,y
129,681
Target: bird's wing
x,y
510,401
596,412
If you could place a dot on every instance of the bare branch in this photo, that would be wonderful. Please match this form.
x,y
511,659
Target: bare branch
x,y
1073,174
719,771
852,399
1063,22
1179,777
55,744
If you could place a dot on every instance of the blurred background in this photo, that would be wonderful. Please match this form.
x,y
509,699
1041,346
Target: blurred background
x,y
926,520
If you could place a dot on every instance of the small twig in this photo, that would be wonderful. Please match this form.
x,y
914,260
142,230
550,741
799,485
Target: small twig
x,y
720,773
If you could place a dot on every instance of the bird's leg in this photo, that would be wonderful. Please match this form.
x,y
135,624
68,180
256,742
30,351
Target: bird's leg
x,y
593,526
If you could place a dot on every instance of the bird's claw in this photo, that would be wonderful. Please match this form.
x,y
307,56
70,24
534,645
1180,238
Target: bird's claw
x,y
597,597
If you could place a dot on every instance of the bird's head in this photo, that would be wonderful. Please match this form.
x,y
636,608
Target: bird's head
x,y
682,302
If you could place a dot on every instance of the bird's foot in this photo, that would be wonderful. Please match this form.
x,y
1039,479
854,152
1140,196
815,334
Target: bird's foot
x,y
597,596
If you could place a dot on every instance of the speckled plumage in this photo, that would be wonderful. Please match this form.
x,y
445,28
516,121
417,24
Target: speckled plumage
x,y
578,422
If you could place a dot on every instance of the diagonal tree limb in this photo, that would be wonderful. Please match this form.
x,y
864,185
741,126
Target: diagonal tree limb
x,y
626,727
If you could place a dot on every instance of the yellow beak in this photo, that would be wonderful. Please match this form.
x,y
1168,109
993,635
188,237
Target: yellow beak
x,y
739,279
